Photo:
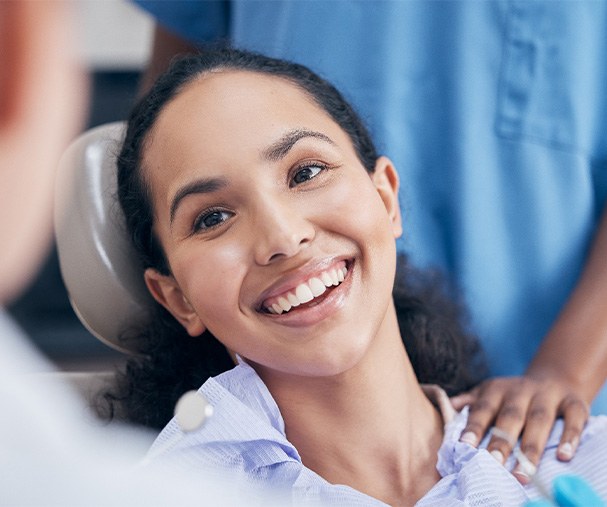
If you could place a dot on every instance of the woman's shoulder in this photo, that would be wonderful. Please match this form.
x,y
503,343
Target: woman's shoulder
x,y
589,462
462,463
245,430
241,444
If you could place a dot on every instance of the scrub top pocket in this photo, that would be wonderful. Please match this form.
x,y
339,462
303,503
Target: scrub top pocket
x,y
553,75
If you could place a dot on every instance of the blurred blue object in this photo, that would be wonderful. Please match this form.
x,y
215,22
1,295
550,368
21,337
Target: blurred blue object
x,y
539,503
570,491
573,491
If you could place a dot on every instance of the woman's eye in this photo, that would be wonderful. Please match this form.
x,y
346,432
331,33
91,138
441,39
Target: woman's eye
x,y
306,173
211,219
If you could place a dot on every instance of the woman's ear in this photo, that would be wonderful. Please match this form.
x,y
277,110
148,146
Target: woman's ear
x,y
165,290
386,182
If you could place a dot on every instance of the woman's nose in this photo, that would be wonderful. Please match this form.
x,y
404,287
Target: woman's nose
x,y
280,231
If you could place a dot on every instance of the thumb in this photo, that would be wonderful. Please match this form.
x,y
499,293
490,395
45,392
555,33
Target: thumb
x,y
461,400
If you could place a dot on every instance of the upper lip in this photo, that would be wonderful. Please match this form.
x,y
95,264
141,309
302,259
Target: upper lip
x,y
296,276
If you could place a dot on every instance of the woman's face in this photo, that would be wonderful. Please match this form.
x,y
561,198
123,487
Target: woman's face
x,y
278,240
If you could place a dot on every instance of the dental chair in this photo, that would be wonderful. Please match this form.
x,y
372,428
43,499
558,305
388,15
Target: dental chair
x,y
98,264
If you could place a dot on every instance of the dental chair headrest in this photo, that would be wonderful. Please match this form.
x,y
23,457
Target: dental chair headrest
x,y
98,264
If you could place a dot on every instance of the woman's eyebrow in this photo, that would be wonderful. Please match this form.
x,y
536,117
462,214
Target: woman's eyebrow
x,y
280,148
200,186
274,152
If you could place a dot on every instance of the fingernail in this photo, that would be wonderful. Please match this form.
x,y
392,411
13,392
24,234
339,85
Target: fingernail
x,y
566,450
521,475
525,469
499,457
469,438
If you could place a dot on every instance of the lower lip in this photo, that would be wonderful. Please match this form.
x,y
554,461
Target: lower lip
x,y
310,315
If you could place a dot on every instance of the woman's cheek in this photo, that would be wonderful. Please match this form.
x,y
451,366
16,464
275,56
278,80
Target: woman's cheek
x,y
361,209
211,279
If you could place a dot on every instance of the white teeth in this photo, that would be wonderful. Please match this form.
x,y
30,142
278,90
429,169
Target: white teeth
x,y
326,279
284,304
317,287
334,278
303,293
293,299
307,291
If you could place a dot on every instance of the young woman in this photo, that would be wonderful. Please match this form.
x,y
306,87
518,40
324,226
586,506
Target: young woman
x,y
266,222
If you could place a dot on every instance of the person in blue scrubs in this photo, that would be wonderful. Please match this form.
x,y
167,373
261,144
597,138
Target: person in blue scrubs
x,y
495,115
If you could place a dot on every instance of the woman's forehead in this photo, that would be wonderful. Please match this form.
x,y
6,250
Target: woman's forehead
x,y
242,107
237,95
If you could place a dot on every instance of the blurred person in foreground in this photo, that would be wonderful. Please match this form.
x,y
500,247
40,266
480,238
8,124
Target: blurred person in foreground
x,y
51,454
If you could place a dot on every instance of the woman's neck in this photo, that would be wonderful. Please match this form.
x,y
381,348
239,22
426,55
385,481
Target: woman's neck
x,y
371,428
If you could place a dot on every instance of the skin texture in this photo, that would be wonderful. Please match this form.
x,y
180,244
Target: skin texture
x,y
41,105
289,198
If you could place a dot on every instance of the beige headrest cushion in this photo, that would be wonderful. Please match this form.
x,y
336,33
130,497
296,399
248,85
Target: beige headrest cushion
x,y
99,266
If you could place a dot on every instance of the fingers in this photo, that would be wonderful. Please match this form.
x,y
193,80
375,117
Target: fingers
x,y
541,413
521,407
511,418
540,418
461,400
482,411
575,414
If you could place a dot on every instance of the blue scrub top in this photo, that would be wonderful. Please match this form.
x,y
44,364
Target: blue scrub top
x,y
494,113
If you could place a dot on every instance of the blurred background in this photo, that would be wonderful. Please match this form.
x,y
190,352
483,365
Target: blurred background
x,y
115,37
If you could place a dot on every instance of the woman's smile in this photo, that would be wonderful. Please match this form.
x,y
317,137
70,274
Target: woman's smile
x,y
306,293
301,285
315,297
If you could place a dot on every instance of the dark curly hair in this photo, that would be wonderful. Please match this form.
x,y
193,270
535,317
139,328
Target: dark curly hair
x,y
170,361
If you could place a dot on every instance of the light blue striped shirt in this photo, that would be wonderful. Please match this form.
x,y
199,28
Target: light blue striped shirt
x,y
244,443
